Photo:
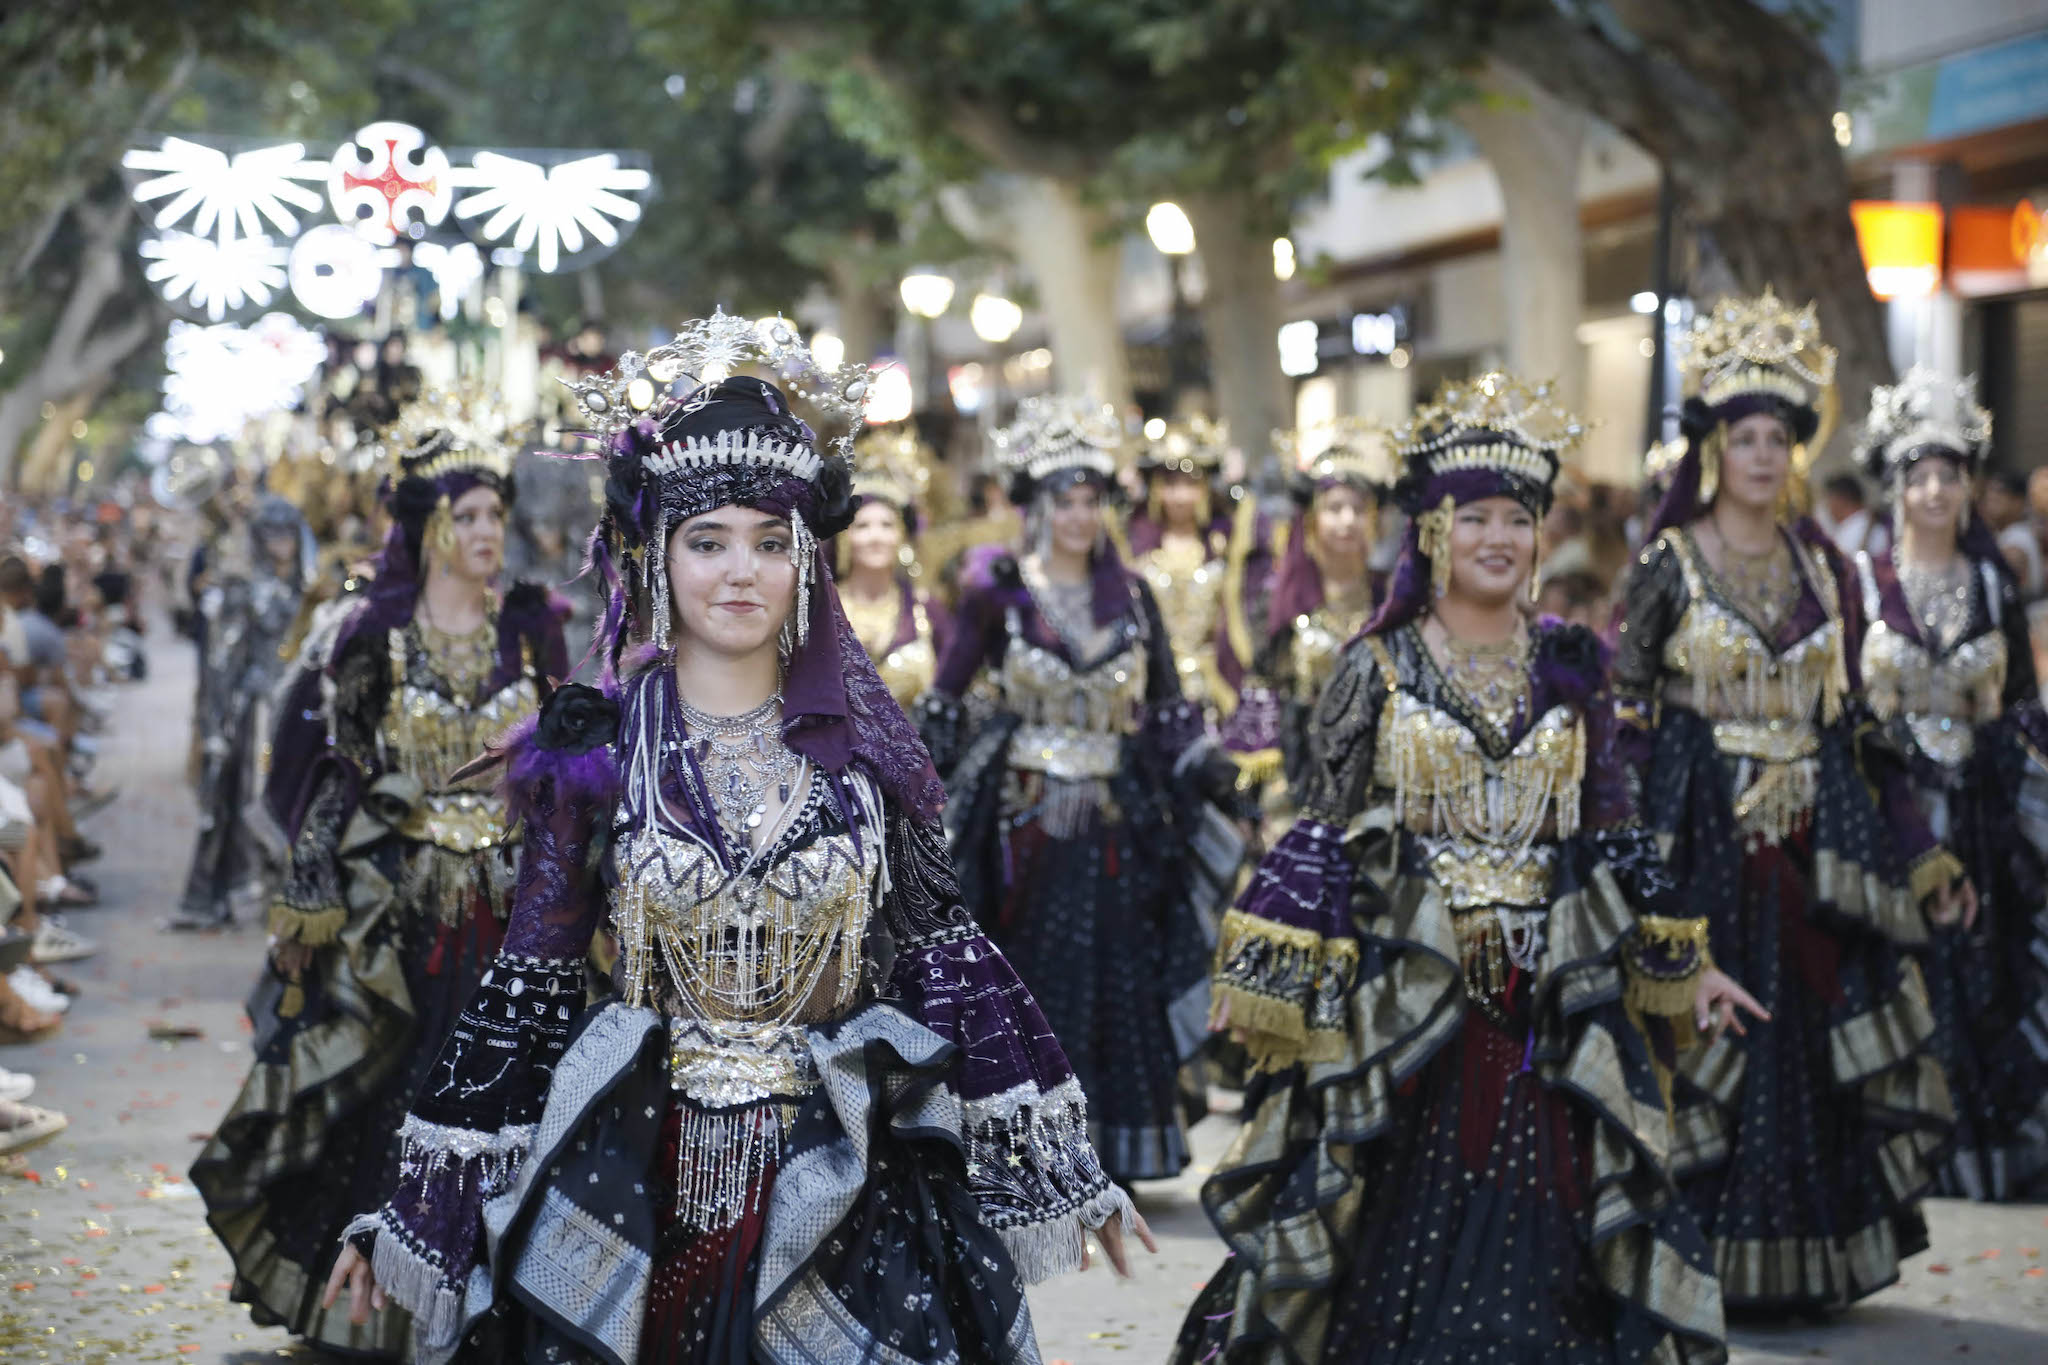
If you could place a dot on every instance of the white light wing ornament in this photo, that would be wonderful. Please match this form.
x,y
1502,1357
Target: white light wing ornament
x,y
215,277
227,196
712,349
549,210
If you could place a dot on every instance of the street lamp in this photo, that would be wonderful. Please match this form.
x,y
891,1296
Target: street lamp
x,y
995,320
1168,226
926,293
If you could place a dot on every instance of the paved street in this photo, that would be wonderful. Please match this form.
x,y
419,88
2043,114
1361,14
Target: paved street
x,y
104,1256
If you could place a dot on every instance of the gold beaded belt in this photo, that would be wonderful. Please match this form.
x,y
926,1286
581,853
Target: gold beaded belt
x,y
1475,875
1063,752
459,821
1768,741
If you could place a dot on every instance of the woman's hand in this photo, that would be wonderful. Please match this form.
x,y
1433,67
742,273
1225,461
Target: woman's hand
x,y
364,1294
290,958
1219,1021
1112,1235
1715,1000
1956,902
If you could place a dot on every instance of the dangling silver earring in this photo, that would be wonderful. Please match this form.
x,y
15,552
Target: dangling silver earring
x,y
657,570
796,627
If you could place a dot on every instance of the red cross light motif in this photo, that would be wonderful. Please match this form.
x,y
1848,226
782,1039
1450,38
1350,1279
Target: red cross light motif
x,y
388,179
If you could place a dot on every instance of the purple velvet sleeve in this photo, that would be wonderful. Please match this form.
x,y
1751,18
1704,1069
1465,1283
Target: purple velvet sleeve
x,y
1029,1162
974,631
473,1120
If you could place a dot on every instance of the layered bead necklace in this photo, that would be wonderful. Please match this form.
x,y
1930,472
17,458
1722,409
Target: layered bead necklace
x,y
742,758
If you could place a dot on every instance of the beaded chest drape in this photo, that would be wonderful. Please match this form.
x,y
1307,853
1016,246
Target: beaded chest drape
x,y
1319,638
433,726
1485,814
1942,695
1188,584
907,669
1766,703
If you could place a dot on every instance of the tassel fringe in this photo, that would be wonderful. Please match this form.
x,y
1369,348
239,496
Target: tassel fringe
x,y
314,928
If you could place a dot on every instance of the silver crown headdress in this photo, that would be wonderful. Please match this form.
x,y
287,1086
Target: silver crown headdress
x,y
1055,432
1923,411
1195,446
710,350
1351,448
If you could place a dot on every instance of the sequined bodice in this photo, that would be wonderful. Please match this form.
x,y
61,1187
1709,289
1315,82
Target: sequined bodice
x,y
1486,813
1188,585
1763,701
1319,637
1073,717
907,669
1942,696
744,964
430,730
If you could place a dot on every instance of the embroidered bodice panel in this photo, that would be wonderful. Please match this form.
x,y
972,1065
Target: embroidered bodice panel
x,y
1188,586
1486,814
1764,700
429,731
1073,716
1318,639
1942,696
907,669
743,964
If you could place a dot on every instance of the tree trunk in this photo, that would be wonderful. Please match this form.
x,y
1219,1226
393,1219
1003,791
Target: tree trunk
x,y
1738,103
1241,322
1073,258
863,315
78,358
1531,140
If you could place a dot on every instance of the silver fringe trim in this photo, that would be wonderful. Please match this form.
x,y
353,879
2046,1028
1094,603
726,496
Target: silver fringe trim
x,y
416,1284
1043,1250
722,1161
426,1149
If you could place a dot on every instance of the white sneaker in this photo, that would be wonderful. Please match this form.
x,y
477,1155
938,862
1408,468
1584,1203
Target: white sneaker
x,y
57,942
16,1086
23,1126
37,993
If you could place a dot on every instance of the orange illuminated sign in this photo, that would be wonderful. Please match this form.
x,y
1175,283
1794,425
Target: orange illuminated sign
x,y
1901,246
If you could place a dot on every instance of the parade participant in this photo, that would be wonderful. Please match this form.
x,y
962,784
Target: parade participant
x,y
1191,545
1443,972
248,606
900,626
1080,830
399,879
1322,594
1804,1146
816,1115
1950,672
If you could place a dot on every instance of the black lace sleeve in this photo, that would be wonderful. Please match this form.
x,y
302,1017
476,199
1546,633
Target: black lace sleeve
x,y
1652,600
1343,734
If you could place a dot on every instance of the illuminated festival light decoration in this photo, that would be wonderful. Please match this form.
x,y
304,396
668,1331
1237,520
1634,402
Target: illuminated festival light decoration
x,y
388,179
334,272
215,277
454,268
548,210
221,377
227,196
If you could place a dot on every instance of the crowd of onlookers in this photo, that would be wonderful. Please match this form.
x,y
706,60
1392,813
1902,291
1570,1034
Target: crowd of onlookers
x,y
72,590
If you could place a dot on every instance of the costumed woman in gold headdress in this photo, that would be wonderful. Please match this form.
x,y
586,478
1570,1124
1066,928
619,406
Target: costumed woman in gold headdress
x,y
899,624
400,873
1197,549
1454,975
813,1115
1081,817
1950,672
1805,1146
1322,594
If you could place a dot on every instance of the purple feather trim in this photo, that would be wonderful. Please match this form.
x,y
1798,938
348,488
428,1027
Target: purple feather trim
x,y
586,778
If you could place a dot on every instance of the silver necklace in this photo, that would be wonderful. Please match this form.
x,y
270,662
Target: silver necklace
x,y
742,757
1938,595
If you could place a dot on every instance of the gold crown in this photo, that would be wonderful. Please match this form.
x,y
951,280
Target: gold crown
x,y
1527,416
893,465
1923,410
1056,431
710,350
1756,345
448,429
1357,449
1194,446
